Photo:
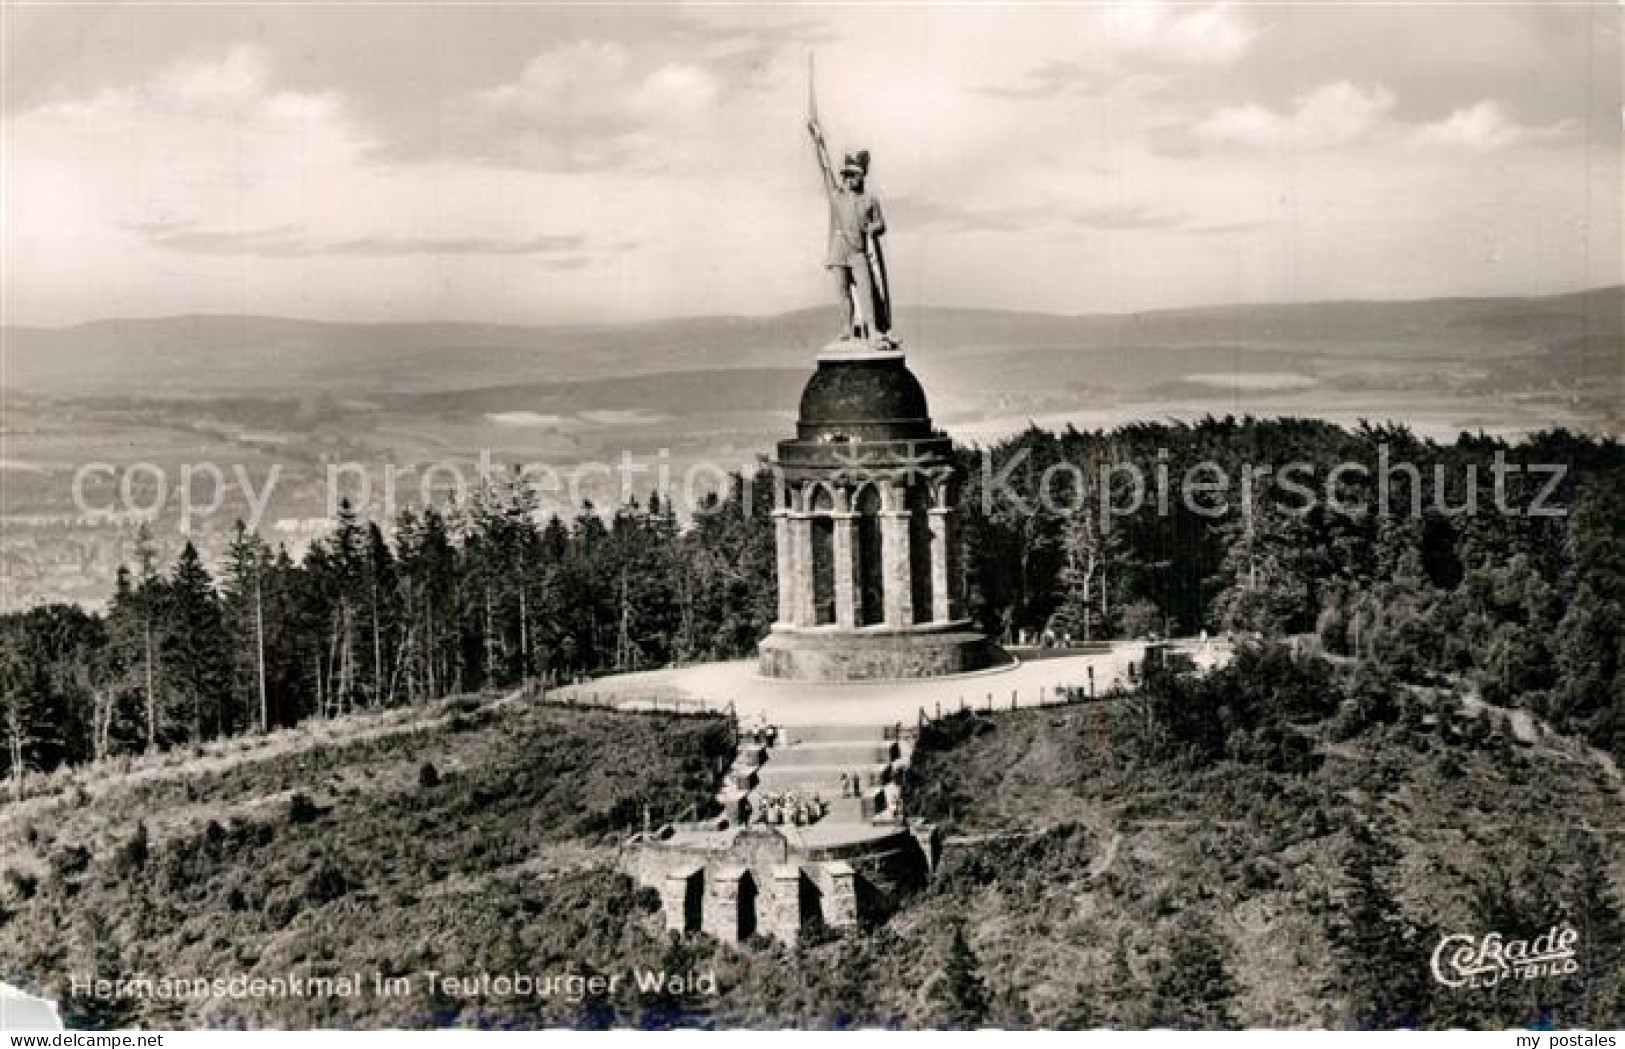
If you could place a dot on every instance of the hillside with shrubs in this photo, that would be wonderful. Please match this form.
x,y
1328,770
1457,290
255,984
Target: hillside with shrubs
x,y
481,834
1281,842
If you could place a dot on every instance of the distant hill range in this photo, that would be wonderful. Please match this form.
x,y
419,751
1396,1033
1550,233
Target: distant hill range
x,y
1564,347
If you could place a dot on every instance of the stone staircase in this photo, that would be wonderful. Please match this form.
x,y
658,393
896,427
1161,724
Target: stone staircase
x,y
842,753
812,759
772,861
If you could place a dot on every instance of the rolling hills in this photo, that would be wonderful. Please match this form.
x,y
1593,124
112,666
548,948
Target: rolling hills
x,y
712,394
217,356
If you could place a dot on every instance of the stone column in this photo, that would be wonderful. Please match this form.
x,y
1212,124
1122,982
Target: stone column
x,y
894,556
847,580
942,604
722,904
784,917
806,612
675,893
785,559
841,898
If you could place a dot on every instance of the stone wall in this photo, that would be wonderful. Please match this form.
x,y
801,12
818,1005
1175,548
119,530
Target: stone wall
x,y
730,885
809,656
884,871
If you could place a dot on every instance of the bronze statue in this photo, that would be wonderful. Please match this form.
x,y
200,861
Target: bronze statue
x,y
856,225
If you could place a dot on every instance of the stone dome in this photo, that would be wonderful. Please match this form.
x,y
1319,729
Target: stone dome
x,y
863,400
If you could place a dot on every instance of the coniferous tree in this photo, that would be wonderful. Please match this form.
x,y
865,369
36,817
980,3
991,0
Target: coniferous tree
x,y
1591,906
243,607
1083,558
1193,988
20,715
148,596
1589,653
959,992
523,560
438,566
196,654
1268,577
280,581
1382,954
126,664
100,957
382,614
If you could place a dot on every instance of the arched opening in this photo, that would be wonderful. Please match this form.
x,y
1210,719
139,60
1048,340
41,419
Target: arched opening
x,y
871,579
823,555
747,906
918,502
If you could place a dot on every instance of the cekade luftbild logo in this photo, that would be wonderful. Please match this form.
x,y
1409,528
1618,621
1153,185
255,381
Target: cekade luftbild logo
x,y
1464,960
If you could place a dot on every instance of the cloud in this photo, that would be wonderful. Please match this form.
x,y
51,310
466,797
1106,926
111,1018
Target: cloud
x,y
584,106
234,87
1331,115
1342,113
1484,127
1048,80
1223,228
287,241
1140,39
913,215
1206,36
365,161
591,88
739,51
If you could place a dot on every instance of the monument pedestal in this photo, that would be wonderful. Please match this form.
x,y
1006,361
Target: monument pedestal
x,y
855,349
866,531
875,653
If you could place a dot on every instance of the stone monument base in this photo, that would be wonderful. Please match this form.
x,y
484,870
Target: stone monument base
x,y
874,348
876,653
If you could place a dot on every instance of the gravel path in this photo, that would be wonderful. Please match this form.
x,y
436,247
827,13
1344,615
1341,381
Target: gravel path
x,y
779,702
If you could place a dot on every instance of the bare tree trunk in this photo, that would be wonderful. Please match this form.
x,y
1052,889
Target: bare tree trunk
x,y
685,598
405,663
431,650
624,656
402,666
490,640
14,732
1088,584
152,696
259,651
335,666
524,629
377,645
347,666
101,720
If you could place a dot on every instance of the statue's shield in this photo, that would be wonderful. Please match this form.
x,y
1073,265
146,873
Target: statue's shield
x,y
877,274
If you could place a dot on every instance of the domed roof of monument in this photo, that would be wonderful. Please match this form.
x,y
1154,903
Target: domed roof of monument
x,y
867,393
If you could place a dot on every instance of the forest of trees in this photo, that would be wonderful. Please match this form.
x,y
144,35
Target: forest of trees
x,y
1524,608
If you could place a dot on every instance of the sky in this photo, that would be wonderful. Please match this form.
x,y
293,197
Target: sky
x,y
573,164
